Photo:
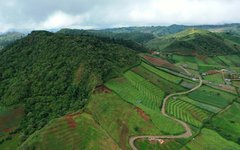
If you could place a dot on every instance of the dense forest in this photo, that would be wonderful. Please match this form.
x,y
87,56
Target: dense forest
x,y
69,67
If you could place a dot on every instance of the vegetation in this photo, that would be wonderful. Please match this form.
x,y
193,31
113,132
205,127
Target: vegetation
x,y
212,97
107,110
131,94
192,42
70,132
162,74
167,145
166,86
69,68
187,112
227,123
204,106
9,38
209,139
215,78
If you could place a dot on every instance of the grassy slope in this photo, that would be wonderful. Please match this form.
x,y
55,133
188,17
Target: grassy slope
x,y
120,119
193,41
209,139
227,123
62,135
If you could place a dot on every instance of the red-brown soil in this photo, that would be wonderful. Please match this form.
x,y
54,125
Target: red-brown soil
x,y
102,89
11,119
142,114
70,120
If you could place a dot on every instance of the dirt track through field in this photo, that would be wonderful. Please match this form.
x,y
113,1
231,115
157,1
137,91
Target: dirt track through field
x,y
188,132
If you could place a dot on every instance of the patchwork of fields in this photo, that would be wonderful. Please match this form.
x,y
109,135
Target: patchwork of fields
x,y
130,105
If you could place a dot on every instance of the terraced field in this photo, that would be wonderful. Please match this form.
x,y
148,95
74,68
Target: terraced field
x,y
227,123
166,86
213,97
153,145
230,60
215,78
204,106
131,94
187,112
79,131
162,74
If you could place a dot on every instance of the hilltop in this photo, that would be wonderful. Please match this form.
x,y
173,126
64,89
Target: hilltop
x,y
194,41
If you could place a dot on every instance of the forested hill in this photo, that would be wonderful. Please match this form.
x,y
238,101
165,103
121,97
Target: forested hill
x,y
52,74
134,40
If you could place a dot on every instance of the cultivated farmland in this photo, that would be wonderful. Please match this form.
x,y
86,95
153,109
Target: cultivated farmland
x,y
211,140
187,112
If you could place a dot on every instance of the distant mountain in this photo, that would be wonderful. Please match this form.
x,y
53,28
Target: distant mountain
x,y
194,41
8,38
164,30
53,74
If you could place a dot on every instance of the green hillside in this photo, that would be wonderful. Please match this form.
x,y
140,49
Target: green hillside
x,y
194,41
53,74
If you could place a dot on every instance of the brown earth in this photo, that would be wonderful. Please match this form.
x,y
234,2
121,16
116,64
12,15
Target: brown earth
x,y
123,136
70,120
11,119
142,114
102,89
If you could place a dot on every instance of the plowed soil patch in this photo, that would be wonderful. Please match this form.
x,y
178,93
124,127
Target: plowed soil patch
x,y
142,114
102,89
11,119
70,120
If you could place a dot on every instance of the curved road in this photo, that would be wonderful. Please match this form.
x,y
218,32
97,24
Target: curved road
x,y
188,132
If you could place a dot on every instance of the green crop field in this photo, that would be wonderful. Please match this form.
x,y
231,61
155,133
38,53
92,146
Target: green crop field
x,y
215,78
130,94
204,106
167,145
211,96
80,131
107,109
187,112
187,59
205,68
165,85
226,60
227,123
210,140
138,90
230,60
162,74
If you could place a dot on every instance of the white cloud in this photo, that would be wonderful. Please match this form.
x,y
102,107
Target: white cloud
x,y
60,19
45,14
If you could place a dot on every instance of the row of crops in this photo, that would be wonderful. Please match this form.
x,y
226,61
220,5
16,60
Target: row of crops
x,y
187,112
136,92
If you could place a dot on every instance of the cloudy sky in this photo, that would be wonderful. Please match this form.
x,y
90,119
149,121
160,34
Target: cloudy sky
x,y
85,14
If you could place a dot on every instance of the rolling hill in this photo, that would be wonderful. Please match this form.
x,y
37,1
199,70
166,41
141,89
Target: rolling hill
x,y
194,41
50,74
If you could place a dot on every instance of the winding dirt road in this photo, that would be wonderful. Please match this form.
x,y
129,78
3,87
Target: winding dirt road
x,y
188,132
